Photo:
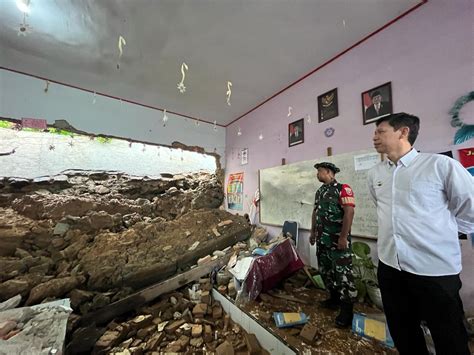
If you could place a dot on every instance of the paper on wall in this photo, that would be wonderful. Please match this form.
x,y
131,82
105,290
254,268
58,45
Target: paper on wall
x,y
366,161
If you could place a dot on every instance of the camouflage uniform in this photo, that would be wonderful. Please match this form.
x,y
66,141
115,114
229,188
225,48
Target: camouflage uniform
x,y
335,265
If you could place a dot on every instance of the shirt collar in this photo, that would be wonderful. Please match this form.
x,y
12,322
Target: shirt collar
x,y
406,159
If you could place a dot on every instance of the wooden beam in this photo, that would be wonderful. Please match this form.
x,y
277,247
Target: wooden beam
x,y
287,297
148,294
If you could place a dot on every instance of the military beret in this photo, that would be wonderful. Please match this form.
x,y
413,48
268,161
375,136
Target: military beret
x,y
327,165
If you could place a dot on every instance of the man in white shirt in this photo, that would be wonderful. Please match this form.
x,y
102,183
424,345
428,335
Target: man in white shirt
x,y
422,201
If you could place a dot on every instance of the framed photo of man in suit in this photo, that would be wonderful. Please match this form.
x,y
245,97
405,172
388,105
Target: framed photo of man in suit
x,y
296,133
377,102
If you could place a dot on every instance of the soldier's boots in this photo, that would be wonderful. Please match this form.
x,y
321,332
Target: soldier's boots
x,y
332,302
344,318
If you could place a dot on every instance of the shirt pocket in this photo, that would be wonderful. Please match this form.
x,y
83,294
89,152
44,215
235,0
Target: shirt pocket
x,y
426,194
380,187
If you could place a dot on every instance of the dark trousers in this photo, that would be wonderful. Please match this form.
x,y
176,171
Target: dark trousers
x,y
408,299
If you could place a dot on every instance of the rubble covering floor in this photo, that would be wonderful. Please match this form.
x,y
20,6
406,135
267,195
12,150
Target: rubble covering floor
x,y
186,321
328,339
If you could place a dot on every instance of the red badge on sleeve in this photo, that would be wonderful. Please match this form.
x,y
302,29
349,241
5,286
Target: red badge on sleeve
x,y
347,196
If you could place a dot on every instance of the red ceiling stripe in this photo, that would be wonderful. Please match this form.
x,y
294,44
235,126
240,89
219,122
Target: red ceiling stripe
x,y
109,96
330,60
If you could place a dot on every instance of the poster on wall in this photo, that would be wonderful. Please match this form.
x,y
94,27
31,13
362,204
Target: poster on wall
x,y
327,105
466,158
244,156
377,102
366,161
235,192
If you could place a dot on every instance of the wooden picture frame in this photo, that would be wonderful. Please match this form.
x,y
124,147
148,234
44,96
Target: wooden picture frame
x,y
296,133
328,106
376,103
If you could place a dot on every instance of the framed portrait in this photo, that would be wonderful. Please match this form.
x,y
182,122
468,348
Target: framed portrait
x,y
328,106
296,132
244,156
376,103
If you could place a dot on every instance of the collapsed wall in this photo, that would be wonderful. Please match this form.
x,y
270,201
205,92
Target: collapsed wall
x,y
97,236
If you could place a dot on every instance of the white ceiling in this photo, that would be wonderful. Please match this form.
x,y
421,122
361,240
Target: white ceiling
x,y
261,46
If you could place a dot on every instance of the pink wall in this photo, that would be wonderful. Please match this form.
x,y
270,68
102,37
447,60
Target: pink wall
x,y
428,57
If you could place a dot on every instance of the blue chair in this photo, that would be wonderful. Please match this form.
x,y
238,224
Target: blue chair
x,y
292,228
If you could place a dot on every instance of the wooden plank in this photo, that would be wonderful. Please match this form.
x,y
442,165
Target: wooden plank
x,y
306,270
150,275
146,295
287,297
218,243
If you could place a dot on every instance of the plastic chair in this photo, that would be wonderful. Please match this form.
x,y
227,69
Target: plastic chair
x,y
292,228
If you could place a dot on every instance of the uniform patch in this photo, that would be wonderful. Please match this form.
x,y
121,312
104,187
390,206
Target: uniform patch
x,y
347,201
348,191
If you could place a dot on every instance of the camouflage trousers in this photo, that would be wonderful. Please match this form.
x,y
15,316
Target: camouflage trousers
x,y
335,267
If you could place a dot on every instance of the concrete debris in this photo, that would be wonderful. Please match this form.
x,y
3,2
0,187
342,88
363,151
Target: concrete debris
x,y
309,332
218,253
225,223
252,343
225,348
10,303
42,328
204,260
96,237
61,229
106,232
213,332
194,246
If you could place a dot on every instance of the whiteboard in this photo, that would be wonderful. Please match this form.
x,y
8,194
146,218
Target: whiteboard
x,y
287,191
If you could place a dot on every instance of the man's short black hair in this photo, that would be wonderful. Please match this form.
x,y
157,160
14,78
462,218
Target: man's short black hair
x,y
375,93
402,119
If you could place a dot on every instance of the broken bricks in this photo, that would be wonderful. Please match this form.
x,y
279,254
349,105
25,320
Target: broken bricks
x,y
231,291
171,328
154,341
141,321
309,332
204,260
207,333
253,346
205,284
109,339
200,310
225,348
216,233
196,331
205,297
217,311
225,223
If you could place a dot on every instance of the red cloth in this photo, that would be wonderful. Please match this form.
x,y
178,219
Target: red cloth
x,y
466,157
266,271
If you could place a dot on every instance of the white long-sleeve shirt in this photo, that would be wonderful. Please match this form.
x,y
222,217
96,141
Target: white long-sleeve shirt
x,y
422,202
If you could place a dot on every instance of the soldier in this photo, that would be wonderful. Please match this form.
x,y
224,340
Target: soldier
x,y
330,227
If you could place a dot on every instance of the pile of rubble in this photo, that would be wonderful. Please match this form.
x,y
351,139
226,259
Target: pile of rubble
x,y
96,237
319,335
189,321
